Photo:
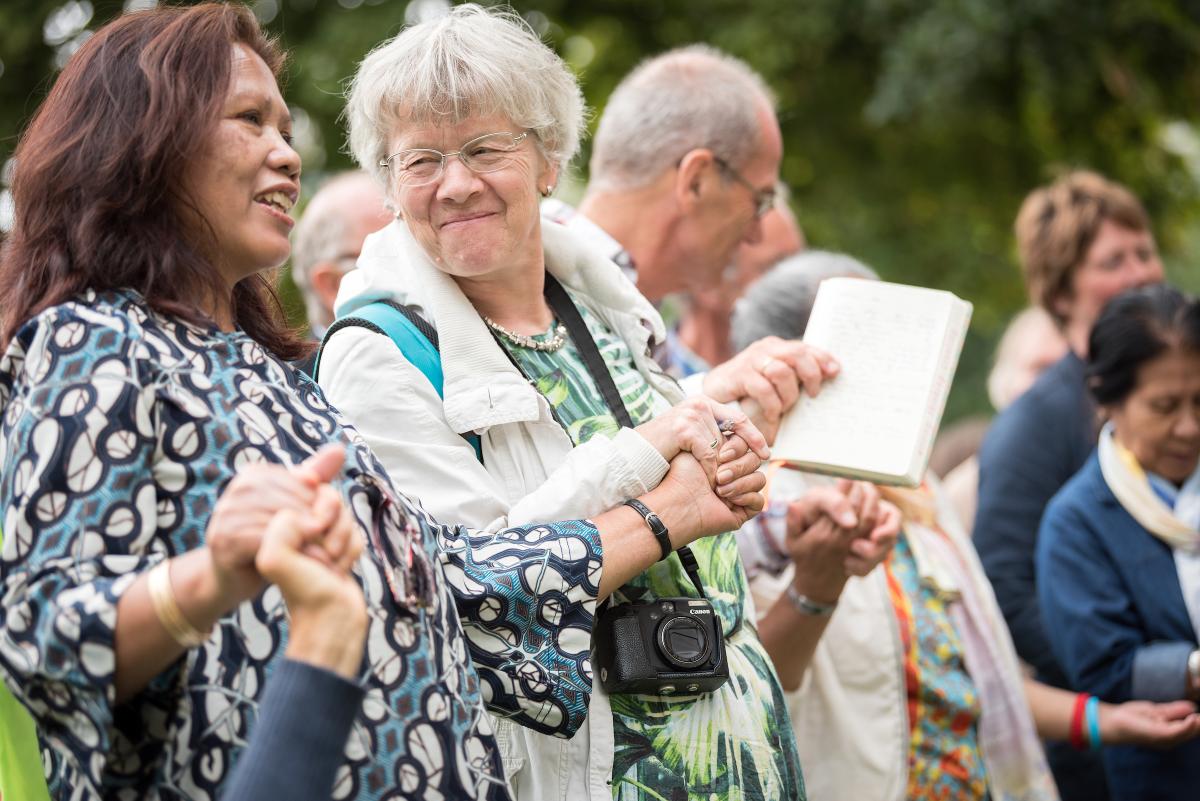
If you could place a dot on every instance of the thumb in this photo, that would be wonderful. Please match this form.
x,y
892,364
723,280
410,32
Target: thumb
x,y
324,465
839,509
279,553
818,502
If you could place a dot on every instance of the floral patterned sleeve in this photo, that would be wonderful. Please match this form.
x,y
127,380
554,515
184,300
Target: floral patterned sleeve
x,y
79,506
527,597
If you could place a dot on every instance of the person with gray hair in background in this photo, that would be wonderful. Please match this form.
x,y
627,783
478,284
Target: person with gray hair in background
x,y
684,169
783,298
328,239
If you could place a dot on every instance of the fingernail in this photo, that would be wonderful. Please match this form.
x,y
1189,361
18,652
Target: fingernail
x,y
724,476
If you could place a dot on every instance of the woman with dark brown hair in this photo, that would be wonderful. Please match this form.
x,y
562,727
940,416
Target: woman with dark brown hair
x,y
144,367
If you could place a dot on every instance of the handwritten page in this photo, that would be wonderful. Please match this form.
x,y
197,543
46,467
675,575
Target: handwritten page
x,y
893,343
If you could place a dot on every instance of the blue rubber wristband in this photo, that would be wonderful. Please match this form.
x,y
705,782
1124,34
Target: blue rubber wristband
x,y
1092,713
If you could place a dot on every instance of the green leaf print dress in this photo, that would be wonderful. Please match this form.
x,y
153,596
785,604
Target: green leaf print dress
x,y
735,744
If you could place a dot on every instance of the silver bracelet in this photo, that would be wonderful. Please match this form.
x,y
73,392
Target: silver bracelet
x,y
807,606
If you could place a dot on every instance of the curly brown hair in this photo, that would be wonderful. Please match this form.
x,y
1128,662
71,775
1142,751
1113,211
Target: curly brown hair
x,y
98,183
1058,223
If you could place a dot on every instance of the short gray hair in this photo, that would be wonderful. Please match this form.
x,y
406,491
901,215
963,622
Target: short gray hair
x,y
472,61
686,98
320,235
779,303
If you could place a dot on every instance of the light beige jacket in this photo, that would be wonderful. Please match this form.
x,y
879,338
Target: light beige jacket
x,y
850,714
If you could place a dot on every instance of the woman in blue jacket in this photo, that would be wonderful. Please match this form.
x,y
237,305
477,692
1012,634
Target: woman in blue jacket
x,y
1119,547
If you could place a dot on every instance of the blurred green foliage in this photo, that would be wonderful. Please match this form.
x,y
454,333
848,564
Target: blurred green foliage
x,y
913,128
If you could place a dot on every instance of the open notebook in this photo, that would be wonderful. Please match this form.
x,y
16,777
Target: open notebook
x,y
898,347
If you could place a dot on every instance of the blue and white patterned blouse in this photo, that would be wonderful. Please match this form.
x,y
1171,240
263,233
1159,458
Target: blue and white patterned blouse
x,y
121,428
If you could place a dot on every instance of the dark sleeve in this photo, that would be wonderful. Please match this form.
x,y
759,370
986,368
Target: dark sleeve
x,y
1098,636
1021,465
296,747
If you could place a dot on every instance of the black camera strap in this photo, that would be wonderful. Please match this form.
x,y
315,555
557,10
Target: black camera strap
x,y
566,312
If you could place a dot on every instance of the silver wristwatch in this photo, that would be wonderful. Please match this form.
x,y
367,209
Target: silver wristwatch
x,y
1193,669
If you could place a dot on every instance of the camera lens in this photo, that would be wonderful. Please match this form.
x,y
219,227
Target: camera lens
x,y
683,641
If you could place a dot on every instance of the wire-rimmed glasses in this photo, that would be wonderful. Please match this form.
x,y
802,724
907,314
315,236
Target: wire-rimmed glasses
x,y
764,199
419,166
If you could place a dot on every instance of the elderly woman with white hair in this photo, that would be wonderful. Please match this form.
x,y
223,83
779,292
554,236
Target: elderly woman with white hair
x,y
524,389
902,677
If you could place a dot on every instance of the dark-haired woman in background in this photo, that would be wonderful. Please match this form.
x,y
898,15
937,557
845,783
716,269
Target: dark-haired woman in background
x,y
1119,547
143,368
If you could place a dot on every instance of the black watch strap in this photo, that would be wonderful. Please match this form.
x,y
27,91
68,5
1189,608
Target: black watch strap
x,y
657,527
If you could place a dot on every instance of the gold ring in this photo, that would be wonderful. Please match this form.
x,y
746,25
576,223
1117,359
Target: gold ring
x,y
762,368
713,444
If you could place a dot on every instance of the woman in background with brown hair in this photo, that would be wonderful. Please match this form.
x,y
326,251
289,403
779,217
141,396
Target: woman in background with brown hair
x,y
1082,239
144,367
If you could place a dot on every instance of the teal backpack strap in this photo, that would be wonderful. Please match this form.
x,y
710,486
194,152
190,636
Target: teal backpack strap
x,y
416,339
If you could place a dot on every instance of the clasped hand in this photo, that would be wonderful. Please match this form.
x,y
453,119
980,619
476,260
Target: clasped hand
x,y
324,529
702,505
695,426
835,532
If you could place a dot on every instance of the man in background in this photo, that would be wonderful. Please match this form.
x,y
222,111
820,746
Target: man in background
x,y
685,164
702,337
329,237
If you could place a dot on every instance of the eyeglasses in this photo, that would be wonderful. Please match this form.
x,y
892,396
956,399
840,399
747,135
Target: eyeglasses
x,y
764,199
420,166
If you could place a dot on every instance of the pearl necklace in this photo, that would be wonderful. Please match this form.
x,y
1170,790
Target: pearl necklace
x,y
522,341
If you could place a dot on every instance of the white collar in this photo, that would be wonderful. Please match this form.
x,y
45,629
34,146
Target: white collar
x,y
591,234
393,266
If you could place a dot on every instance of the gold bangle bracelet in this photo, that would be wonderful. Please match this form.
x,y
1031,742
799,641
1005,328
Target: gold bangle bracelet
x,y
162,598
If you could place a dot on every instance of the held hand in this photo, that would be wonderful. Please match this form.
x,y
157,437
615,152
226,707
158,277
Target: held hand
x,y
1149,724
692,426
821,525
247,506
328,611
738,476
836,532
870,549
687,504
771,373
